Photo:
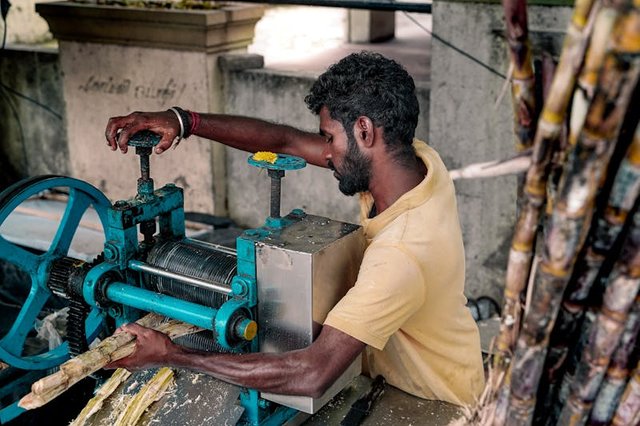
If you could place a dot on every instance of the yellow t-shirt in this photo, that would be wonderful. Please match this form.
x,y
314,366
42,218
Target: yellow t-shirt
x,y
408,304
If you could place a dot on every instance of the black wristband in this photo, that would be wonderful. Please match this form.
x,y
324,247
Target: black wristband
x,y
186,121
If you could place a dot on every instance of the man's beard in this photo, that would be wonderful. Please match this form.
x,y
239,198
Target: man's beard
x,y
355,170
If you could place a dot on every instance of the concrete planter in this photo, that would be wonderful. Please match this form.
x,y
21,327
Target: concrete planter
x,y
227,28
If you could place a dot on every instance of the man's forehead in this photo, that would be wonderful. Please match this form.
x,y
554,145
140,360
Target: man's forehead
x,y
328,124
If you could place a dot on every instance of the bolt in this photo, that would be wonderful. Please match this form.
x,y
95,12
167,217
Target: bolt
x,y
115,311
110,252
239,286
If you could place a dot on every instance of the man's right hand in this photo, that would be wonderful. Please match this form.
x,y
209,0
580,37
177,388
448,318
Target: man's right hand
x,y
152,349
164,123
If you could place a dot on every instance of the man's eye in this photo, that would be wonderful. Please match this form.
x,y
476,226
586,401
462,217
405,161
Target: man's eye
x,y
329,139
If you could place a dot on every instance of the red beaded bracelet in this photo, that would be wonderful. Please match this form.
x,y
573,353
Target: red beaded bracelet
x,y
195,121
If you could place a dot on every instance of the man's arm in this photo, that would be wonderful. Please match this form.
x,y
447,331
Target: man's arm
x,y
308,372
247,134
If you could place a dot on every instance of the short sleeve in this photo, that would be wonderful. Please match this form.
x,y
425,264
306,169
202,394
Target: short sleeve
x,y
390,288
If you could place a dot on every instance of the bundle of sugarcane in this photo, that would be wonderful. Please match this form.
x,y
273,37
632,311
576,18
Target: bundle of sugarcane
x,y
118,346
582,177
533,372
546,139
605,232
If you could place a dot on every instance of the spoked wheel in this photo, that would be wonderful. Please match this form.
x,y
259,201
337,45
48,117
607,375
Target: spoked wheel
x,y
38,266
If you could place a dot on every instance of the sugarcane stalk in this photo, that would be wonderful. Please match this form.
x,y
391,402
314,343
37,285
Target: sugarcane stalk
x,y
152,391
522,79
110,349
628,411
546,137
516,164
569,224
95,404
618,371
588,78
620,294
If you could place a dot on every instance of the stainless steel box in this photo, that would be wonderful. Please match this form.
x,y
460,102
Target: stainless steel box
x,y
302,272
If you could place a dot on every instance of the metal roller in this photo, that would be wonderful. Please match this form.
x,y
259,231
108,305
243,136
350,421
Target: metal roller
x,y
195,259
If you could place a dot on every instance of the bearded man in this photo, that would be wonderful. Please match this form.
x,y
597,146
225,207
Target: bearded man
x,y
407,311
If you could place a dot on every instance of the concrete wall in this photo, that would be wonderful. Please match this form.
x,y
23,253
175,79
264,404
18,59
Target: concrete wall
x,y
32,139
466,127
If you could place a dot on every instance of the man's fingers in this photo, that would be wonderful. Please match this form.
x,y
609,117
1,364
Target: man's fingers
x,y
165,143
128,131
111,133
120,129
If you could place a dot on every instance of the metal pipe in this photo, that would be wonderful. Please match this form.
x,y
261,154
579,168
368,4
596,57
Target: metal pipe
x,y
355,4
136,297
137,265
212,246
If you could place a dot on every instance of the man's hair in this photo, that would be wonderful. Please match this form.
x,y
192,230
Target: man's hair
x,y
368,84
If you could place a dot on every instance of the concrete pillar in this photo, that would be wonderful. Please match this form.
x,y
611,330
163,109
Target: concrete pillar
x,y
366,26
121,59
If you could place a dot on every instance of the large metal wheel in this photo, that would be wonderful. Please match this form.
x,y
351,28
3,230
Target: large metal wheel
x,y
38,266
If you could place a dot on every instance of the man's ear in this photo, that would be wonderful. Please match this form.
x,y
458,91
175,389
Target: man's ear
x,y
363,131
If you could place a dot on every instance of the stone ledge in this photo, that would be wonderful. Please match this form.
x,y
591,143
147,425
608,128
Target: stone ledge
x,y
227,28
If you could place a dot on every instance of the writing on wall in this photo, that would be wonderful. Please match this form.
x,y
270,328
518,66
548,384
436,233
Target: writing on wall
x,y
110,85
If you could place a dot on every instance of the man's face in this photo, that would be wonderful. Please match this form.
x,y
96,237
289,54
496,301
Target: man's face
x,y
349,164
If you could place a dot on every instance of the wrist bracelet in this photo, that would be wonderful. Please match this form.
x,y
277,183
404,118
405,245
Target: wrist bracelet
x,y
175,111
195,121
185,121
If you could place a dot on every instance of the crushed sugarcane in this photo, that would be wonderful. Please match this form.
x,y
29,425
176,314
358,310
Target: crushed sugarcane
x,y
110,349
95,403
151,392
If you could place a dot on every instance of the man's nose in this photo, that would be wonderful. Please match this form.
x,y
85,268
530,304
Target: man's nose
x,y
326,153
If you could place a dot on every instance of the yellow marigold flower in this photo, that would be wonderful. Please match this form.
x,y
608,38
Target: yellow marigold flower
x,y
269,157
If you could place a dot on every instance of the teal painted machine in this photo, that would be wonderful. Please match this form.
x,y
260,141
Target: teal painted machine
x,y
269,295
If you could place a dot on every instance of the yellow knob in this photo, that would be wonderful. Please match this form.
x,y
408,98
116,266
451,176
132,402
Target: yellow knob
x,y
250,329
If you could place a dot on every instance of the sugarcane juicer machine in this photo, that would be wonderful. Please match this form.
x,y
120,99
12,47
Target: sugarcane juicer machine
x,y
268,295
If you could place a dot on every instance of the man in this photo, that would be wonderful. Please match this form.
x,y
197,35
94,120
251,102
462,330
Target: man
x,y
407,309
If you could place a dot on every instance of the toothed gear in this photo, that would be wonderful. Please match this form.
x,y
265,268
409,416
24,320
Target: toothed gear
x,y
61,270
78,311
76,333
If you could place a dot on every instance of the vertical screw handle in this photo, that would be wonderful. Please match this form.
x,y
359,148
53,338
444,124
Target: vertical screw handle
x,y
276,192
